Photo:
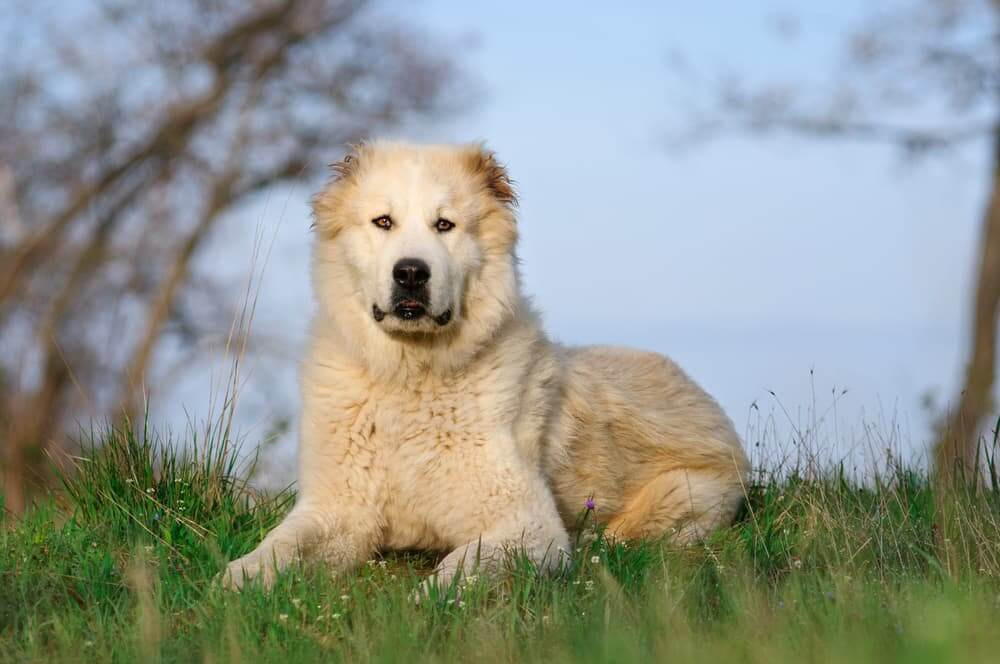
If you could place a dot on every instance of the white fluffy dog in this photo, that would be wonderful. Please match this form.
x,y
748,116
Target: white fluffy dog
x,y
437,415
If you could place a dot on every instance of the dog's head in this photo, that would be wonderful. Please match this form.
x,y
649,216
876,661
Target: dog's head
x,y
406,232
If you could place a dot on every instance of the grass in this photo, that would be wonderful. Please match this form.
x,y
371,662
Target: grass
x,y
120,567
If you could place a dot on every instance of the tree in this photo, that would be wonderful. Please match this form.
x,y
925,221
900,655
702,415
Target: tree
x,y
924,58
127,132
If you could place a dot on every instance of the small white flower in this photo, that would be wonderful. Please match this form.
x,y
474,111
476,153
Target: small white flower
x,y
296,601
589,585
344,598
595,559
335,616
282,617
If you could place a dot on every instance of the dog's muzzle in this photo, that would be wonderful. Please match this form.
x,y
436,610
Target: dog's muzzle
x,y
410,297
409,311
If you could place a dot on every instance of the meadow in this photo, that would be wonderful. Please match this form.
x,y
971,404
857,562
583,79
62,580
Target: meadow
x,y
120,566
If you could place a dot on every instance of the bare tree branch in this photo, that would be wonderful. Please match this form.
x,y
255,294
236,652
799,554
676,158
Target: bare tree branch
x,y
128,139
922,55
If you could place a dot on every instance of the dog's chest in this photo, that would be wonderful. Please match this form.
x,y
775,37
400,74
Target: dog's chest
x,y
414,415
430,442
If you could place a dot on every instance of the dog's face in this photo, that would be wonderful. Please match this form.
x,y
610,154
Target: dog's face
x,y
412,227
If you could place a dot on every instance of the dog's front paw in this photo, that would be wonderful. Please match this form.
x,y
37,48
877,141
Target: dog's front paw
x,y
249,568
439,583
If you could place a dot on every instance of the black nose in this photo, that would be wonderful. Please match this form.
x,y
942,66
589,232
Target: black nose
x,y
411,273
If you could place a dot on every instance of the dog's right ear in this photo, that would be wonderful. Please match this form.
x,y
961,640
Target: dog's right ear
x,y
327,204
482,163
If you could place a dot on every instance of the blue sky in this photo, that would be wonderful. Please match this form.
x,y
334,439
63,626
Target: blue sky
x,y
763,265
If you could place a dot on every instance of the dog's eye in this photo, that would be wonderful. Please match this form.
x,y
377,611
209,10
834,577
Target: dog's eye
x,y
443,225
384,222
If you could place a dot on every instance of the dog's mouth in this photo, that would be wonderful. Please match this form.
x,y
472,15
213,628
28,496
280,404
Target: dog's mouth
x,y
410,310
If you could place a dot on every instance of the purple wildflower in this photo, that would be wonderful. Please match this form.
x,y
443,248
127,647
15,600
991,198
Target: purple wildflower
x,y
590,504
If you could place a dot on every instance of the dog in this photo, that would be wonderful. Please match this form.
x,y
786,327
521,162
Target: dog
x,y
437,415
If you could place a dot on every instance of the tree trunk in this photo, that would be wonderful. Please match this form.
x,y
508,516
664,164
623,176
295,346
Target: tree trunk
x,y
29,439
956,448
13,477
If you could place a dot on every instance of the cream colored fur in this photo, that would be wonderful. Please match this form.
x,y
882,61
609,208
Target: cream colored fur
x,y
478,436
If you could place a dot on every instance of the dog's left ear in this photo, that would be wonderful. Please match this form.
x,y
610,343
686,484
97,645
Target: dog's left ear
x,y
347,167
483,164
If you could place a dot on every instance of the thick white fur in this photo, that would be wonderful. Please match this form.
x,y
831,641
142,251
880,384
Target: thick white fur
x,y
480,435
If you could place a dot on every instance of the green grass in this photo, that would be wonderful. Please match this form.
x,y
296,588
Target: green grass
x,y
120,567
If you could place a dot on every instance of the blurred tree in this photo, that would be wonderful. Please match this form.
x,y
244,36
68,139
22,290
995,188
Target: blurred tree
x,y
906,67
127,131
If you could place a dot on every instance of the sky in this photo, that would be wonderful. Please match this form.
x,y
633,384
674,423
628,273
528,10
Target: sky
x,y
778,272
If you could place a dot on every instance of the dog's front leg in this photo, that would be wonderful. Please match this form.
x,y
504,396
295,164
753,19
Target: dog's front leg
x,y
336,519
308,530
303,528
527,523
